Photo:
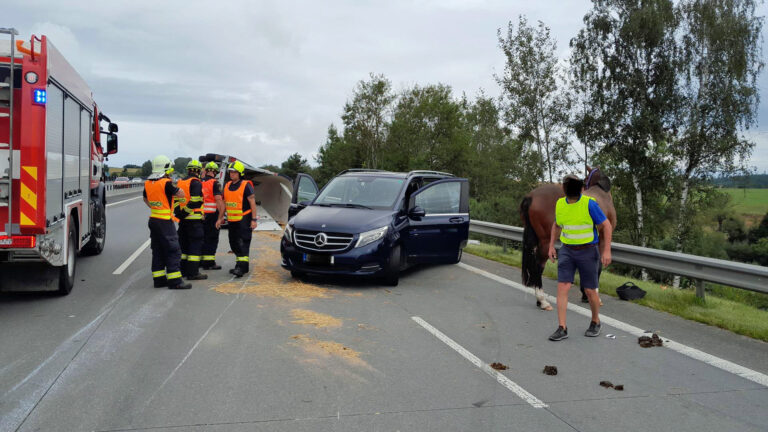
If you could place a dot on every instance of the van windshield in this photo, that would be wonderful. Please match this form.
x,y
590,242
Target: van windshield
x,y
377,193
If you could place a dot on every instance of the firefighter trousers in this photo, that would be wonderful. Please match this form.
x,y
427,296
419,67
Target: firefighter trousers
x,y
191,241
210,239
166,253
240,234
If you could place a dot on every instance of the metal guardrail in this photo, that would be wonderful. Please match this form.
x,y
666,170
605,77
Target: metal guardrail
x,y
738,275
112,186
119,189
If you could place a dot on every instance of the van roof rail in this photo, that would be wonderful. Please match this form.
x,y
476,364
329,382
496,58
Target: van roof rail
x,y
431,172
360,170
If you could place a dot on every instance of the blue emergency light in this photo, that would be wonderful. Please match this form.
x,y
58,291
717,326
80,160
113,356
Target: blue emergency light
x,y
38,96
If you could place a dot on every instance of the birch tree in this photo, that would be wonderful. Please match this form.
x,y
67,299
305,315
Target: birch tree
x,y
623,65
720,61
534,102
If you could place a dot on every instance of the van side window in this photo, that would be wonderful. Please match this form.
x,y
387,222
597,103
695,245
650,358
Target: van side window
x,y
441,198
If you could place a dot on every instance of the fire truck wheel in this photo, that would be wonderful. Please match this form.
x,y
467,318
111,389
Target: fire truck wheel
x,y
67,271
98,234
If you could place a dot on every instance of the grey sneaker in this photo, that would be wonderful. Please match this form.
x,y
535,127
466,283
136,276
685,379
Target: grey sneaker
x,y
593,330
559,334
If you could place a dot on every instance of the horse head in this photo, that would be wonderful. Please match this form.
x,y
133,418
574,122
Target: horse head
x,y
596,177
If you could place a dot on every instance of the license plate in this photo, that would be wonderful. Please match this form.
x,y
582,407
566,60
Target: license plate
x,y
318,259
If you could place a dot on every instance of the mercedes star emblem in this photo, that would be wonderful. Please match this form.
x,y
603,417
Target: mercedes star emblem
x,y
321,239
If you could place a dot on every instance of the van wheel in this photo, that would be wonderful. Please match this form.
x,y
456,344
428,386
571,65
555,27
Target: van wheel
x,y
392,273
67,271
458,256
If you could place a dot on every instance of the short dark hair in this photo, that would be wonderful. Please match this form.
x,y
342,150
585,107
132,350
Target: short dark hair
x,y
572,186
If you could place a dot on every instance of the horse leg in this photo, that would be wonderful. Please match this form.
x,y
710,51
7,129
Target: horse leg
x,y
541,298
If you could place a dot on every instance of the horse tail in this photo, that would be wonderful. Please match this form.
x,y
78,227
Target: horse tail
x,y
530,265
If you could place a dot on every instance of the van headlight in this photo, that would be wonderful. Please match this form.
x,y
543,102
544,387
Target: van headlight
x,y
288,233
371,236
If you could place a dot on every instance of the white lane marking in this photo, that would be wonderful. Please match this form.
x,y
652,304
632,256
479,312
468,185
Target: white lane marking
x,y
693,353
125,200
501,379
194,347
131,258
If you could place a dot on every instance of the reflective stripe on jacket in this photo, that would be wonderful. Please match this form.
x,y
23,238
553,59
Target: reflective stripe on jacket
x,y
209,200
234,202
194,211
159,206
575,221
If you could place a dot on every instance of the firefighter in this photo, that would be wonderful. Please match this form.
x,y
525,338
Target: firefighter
x,y
213,208
238,196
159,193
190,215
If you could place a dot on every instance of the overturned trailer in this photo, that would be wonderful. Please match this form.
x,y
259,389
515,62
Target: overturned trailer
x,y
273,191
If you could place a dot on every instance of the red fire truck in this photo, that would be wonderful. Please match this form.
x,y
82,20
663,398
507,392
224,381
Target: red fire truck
x,y
52,190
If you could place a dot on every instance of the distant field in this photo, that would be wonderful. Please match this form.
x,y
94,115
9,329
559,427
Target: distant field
x,y
748,201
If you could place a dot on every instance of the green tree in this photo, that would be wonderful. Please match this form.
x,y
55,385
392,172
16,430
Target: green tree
x,y
130,166
623,68
294,165
535,105
500,168
335,156
366,117
146,169
720,60
427,132
180,165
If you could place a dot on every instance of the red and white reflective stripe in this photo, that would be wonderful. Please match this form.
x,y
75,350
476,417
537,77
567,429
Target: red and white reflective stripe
x,y
209,207
17,241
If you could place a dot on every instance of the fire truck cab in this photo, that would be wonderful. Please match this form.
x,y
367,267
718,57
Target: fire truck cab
x,y
52,185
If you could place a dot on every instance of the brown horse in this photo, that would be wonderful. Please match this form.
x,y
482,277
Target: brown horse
x,y
537,211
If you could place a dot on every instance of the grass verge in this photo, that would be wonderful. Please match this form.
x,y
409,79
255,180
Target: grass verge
x,y
722,308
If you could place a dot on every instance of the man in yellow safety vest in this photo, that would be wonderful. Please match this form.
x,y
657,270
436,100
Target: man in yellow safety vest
x,y
578,218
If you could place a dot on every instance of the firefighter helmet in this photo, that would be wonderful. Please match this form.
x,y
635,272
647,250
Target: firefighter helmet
x,y
212,166
161,166
237,166
194,164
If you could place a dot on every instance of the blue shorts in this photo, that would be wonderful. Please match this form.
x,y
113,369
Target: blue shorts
x,y
586,261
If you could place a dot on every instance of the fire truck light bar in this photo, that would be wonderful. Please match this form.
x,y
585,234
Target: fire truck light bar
x,y
17,242
39,96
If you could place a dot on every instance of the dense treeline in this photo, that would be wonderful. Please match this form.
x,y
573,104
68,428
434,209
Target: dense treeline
x,y
759,181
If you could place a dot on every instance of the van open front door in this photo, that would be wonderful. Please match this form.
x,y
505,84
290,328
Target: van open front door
x,y
439,221
304,192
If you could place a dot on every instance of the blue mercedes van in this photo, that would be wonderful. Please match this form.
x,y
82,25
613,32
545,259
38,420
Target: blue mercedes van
x,y
375,223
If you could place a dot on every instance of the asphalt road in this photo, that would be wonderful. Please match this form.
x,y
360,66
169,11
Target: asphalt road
x,y
273,354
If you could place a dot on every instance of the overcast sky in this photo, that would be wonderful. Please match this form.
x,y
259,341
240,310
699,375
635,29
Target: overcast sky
x,y
262,80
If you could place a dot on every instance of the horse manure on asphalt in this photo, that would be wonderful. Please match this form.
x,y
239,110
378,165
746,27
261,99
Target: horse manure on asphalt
x,y
608,384
648,342
550,370
499,366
